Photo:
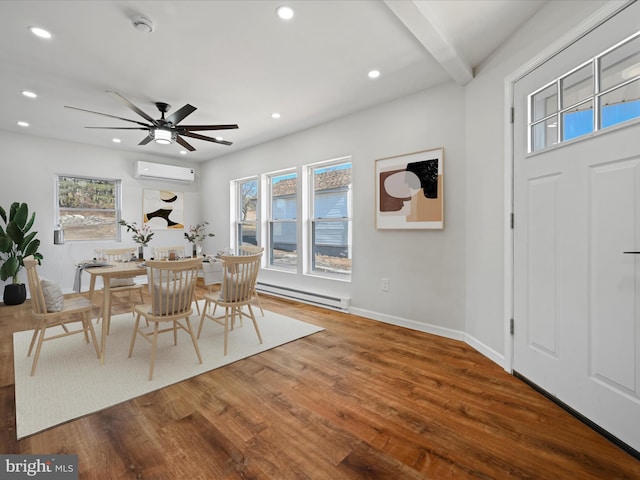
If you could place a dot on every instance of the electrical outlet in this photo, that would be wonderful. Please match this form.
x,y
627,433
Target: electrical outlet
x,y
384,285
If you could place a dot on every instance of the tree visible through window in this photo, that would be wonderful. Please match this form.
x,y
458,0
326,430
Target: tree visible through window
x,y
88,208
247,213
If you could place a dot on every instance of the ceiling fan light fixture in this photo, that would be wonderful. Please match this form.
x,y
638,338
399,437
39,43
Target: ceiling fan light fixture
x,y
162,136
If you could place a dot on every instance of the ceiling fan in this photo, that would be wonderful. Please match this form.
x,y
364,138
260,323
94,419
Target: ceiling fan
x,y
164,130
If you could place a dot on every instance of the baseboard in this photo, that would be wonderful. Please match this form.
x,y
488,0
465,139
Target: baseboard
x,y
485,350
412,324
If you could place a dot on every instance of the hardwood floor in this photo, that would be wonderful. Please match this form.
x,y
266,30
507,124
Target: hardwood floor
x,y
360,400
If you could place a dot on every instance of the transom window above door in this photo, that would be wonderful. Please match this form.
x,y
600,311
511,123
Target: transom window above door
x,y
600,93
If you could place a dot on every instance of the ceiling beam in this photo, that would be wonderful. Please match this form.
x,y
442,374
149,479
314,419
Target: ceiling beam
x,y
418,18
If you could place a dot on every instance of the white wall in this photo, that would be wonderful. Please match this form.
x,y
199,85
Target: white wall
x,y
485,115
29,166
425,267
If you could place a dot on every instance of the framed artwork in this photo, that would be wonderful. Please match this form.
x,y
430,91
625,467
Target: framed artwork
x,y
409,191
163,210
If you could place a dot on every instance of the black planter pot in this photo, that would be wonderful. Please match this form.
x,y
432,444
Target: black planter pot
x,y
15,293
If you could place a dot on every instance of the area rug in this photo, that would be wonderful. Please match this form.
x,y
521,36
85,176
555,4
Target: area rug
x,y
70,382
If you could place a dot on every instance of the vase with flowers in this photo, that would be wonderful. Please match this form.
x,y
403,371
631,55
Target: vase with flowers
x,y
141,235
196,236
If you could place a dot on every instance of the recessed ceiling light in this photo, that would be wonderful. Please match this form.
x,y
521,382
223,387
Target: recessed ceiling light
x,y
29,94
284,12
40,32
183,152
23,124
374,73
275,115
116,140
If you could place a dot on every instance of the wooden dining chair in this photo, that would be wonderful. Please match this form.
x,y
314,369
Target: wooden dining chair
x,y
171,285
50,309
119,286
173,253
238,282
252,250
165,253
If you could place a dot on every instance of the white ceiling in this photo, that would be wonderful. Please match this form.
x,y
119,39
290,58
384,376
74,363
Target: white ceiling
x,y
234,60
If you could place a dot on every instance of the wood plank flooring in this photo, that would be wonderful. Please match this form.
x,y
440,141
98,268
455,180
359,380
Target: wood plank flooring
x,y
360,400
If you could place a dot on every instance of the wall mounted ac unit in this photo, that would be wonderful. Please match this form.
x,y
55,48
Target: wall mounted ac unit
x,y
161,171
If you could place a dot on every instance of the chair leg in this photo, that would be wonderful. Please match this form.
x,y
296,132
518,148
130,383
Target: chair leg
x,y
38,348
255,323
195,299
34,337
86,320
193,339
154,348
255,294
226,329
202,316
175,332
108,320
135,334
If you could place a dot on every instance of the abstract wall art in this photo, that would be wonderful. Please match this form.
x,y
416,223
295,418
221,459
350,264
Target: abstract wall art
x,y
409,191
163,210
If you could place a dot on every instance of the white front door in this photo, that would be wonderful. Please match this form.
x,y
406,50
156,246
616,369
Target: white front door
x,y
576,294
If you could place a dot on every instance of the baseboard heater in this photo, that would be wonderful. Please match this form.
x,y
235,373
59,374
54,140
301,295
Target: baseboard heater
x,y
327,301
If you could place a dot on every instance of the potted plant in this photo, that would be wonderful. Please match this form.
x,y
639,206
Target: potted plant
x,y
141,235
196,236
16,243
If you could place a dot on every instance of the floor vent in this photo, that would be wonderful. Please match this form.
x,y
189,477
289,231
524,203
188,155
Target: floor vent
x,y
327,301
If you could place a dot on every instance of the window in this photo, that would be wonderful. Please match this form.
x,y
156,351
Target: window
x,y
88,208
330,236
283,214
302,217
598,94
247,208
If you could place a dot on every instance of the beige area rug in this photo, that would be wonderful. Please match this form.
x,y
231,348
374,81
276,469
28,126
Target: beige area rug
x,y
70,382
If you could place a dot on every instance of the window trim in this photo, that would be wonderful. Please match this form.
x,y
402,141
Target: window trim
x,y
237,210
270,221
118,205
311,219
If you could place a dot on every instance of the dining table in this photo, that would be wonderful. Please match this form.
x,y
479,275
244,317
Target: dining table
x,y
107,272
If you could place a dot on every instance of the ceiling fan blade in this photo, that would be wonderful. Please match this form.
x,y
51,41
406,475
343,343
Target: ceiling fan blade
x,y
121,128
133,107
185,144
179,115
111,116
146,139
208,139
206,127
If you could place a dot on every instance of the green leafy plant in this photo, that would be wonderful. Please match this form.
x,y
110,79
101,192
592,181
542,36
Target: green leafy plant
x,y
197,234
141,235
15,240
